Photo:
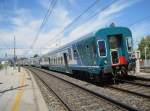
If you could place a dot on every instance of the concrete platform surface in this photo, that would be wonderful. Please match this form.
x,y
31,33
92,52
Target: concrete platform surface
x,y
19,91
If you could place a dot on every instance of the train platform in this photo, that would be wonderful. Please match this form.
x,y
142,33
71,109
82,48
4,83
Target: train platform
x,y
19,91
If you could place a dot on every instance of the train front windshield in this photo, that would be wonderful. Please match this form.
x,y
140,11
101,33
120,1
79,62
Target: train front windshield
x,y
113,42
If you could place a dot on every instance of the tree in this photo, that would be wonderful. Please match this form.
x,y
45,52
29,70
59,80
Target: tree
x,y
145,42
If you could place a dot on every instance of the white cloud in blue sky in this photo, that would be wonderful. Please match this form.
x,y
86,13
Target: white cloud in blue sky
x,y
22,18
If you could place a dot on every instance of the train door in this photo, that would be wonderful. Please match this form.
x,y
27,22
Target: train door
x,y
114,56
114,53
66,61
116,49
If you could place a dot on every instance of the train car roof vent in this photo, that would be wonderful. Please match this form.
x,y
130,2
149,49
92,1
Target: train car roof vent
x,y
112,24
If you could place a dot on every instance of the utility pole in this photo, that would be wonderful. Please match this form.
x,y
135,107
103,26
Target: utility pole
x,y
14,52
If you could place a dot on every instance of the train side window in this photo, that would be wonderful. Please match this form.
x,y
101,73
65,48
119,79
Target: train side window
x,y
102,48
75,53
61,60
57,60
69,54
87,46
129,43
49,60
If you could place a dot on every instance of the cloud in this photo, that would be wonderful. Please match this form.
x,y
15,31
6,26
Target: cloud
x,y
24,29
26,26
44,3
103,18
139,31
117,7
61,16
61,19
22,17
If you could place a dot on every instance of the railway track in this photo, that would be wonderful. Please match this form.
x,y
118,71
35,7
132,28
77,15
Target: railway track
x,y
139,78
50,94
79,99
115,87
76,99
136,86
136,82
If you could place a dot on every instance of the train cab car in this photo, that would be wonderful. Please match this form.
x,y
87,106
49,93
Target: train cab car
x,y
44,62
115,49
106,52
35,62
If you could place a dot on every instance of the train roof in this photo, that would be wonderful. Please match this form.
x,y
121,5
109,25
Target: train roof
x,y
89,35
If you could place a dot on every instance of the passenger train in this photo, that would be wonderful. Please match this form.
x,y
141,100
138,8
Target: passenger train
x,y
104,53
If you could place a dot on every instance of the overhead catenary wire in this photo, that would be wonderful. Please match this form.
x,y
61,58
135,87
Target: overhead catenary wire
x,y
49,11
136,22
57,37
47,15
70,24
106,7
77,18
140,20
74,20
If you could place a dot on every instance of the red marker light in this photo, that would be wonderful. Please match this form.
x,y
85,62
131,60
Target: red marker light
x,y
122,59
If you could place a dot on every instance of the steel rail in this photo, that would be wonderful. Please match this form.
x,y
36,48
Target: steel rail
x,y
136,83
50,89
139,78
132,92
109,99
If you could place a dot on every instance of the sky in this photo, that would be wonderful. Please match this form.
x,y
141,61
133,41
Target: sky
x,y
22,19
